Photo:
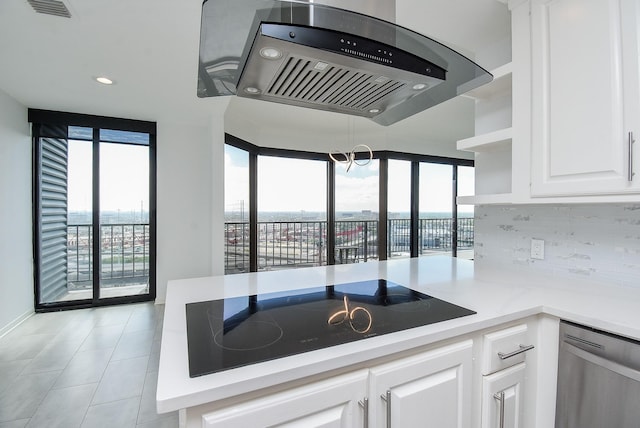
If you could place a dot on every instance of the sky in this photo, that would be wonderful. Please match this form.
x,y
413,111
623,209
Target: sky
x,y
283,184
124,173
297,185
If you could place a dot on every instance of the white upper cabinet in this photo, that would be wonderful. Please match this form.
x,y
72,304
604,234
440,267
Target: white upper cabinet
x,y
585,97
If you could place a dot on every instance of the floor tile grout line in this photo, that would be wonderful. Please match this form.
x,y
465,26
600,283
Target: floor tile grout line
x,y
84,417
24,368
43,397
114,401
107,402
142,392
51,388
140,406
156,318
104,371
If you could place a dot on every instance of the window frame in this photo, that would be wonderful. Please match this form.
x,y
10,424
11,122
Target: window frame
x,y
383,156
60,121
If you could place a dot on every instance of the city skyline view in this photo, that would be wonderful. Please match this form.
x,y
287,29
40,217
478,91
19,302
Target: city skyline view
x,y
296,185
302,215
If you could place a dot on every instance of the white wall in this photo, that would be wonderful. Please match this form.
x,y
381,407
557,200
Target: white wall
x,y
217,130
600,242
16,256
190,215
431,132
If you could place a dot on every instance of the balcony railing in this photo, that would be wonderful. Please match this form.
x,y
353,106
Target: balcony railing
x,y
124,254
303,243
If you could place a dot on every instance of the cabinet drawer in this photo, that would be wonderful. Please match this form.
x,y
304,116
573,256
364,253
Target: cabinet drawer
x,y
506,342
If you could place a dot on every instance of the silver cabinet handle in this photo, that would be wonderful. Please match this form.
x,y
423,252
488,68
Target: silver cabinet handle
x,y
387,399
364,403
523,348
500,397
630,147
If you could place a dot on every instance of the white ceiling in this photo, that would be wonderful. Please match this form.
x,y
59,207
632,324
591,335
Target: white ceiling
x,y
150,48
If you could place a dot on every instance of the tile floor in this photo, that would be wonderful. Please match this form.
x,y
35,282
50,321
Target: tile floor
x,y
83,368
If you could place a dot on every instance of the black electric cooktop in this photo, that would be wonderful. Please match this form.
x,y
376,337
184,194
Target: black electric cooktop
x,y
234,332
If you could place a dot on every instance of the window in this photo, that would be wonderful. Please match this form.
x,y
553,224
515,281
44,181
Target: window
x,y
292,212
94,205
466,185
236,210
308,211
356,225
435,225
399,209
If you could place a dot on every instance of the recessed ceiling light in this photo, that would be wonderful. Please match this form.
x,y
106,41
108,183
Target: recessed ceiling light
x,y
270,53
374,110
104,80
252,90
419,86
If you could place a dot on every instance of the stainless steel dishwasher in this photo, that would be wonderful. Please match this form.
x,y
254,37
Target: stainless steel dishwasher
x,y
598,379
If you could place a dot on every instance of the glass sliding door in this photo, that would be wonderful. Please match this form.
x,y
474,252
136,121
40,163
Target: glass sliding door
x,y
292,212
435,226
236,210
399,209
124,213
356,206
94,213
79,218
466,185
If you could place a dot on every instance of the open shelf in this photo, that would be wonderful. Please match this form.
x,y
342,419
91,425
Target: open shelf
x,y
492,141
492,144
500,84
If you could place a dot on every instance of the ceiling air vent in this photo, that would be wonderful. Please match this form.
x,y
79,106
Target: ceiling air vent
x,y
50,7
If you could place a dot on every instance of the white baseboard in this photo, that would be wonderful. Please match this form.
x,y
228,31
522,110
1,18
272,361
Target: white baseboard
x,y
16,322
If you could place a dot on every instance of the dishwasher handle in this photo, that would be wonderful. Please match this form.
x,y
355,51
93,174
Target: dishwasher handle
x,y
622,370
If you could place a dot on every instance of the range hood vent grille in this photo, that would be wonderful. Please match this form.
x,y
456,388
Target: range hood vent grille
x,y
50,7
335,87
312,55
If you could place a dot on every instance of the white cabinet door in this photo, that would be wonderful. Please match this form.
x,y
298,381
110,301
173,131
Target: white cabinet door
x,y
585,96
432,389
333,403
509,406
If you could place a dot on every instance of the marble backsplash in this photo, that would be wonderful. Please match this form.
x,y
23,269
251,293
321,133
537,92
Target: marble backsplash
x,y
596,241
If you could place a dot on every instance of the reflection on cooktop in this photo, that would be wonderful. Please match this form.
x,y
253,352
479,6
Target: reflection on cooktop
x,y
234,332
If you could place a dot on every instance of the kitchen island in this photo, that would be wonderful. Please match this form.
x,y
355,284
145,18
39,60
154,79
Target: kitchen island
x,y
499,299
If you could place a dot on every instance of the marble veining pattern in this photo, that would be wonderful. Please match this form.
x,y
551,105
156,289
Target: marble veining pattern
x,y
596,241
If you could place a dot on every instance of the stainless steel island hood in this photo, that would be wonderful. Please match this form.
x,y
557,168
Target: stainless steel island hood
x,y
317,56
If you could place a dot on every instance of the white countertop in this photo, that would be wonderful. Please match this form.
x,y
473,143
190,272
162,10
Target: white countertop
x,y
497,297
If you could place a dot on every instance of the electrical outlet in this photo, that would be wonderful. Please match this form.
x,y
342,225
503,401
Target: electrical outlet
x,y
537,249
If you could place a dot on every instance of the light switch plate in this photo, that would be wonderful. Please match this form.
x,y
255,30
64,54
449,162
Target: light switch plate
x,y
537,249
